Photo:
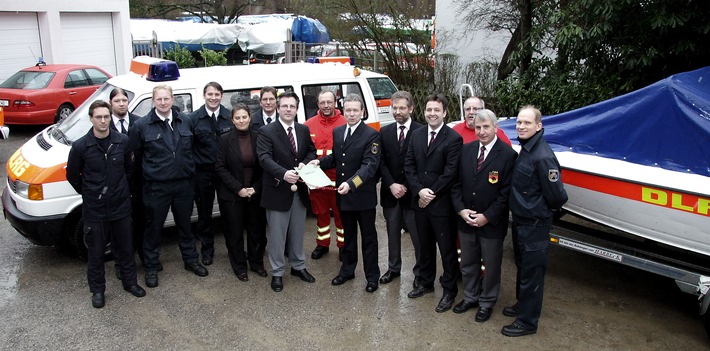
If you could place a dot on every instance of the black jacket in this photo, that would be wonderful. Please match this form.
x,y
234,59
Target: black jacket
x,y
230,168
163,153
392,164
101,176
207,132
537,187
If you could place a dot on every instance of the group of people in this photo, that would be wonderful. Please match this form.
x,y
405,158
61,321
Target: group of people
x,y
449,188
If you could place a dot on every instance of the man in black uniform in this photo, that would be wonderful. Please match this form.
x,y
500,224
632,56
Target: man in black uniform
x,y
431,167
536,191
208,123
356,158
395,192
98,168
162,143
268,112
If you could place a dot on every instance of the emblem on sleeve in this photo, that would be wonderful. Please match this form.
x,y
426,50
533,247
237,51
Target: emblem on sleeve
x,y
493,177
375,148
553,175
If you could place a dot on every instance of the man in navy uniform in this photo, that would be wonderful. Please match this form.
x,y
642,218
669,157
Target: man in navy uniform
x,y
98,168
268,112
208,123
536,192
356,157
480,197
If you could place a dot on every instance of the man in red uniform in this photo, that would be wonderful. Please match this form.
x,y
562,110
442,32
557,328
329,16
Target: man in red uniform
x,y
466,129
323,199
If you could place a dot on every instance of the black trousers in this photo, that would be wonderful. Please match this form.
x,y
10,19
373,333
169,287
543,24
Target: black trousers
x,y
441,231
237,216
531,241
205,185
158,198
97,234
366,220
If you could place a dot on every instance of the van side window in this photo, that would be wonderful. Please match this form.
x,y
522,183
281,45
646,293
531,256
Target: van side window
x,y
249,97
310,96
182,101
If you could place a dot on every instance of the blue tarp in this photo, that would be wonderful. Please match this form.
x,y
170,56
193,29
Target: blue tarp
x,y
666,124
309,31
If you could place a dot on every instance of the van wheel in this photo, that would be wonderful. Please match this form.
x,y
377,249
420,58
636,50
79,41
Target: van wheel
x,y
78,242
63,112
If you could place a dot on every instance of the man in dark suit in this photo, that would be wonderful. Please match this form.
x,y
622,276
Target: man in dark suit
x,y
208,122
480,197
268,112
395,193
431,167
121,119
282,148
356,157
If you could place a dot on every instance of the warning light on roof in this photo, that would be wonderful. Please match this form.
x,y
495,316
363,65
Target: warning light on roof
x,y
154,69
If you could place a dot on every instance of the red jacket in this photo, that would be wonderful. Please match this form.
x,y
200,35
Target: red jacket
x,y
469,135
322,134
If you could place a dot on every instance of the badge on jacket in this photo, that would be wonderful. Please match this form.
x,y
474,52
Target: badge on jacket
x,y
375,148
493,177
553,175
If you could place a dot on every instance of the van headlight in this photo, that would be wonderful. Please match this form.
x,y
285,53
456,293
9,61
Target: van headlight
x,y
29,191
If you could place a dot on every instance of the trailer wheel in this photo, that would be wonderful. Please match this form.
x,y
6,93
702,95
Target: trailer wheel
x,y
78,241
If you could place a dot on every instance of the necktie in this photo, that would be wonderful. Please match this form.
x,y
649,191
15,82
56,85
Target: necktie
x,y
268,120
167,123
433,136
123,128
347,136
291,139
401,136
214,117
479,161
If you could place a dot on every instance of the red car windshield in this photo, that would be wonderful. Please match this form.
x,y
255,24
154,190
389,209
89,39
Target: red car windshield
x,y
28,80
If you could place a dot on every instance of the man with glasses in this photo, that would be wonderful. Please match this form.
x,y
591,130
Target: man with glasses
x,y
323,199
467,129
268,112
283,147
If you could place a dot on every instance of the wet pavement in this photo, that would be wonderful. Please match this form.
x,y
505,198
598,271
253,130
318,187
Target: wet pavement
x,y
589,304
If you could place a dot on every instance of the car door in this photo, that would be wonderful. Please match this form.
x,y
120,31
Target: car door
x,y
77,87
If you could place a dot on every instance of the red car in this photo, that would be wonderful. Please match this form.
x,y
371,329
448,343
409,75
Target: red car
x,y
45,94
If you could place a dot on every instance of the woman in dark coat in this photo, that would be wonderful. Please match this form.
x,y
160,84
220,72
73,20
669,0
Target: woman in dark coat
x,y
239,195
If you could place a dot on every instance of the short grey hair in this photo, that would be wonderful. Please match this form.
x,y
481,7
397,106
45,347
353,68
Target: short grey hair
x,y
485,115
355,97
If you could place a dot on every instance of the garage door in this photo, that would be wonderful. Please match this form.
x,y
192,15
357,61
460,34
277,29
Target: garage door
x,y
88,39
19,42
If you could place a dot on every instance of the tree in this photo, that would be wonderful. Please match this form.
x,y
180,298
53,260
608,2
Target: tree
x,y
216,11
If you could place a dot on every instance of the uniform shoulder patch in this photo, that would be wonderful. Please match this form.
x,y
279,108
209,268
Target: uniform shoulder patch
x,y
375,148
553,175
493,177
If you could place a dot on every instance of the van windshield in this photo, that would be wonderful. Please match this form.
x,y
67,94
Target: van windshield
x,y
382,88
78,124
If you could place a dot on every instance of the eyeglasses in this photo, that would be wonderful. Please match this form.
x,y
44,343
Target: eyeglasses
x,y
473,108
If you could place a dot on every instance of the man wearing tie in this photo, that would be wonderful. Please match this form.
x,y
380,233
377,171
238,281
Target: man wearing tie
x,y
268,112
431,167
121,119
356,157
395,192
480,197
283,147
208,123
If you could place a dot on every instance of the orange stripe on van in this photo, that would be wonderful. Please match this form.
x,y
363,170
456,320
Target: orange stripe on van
x,y
19,168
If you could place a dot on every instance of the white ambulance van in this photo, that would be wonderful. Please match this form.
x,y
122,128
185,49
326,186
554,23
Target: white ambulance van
x,y
43,207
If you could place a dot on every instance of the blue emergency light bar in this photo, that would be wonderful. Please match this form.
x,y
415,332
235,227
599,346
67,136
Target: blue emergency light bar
x,y
163,71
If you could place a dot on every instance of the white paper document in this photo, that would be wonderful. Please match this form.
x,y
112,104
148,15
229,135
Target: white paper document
x,y
313,176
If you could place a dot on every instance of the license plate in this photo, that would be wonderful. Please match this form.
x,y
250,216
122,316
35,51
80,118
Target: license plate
x,y
4,103
384,109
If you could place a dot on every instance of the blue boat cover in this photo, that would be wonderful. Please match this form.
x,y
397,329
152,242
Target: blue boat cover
x,y
666,124
309,31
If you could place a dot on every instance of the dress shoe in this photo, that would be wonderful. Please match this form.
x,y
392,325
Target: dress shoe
x,y
304,275
419,291
319,251
97,300
517,329
207,260
151,279
511,311
415,282
483,314
260,272
340,280
464,306
135,290
371,287
277,284
445,303
243,276
196,268
388,277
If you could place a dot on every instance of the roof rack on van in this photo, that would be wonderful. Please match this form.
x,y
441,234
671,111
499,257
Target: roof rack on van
x,y
154,69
